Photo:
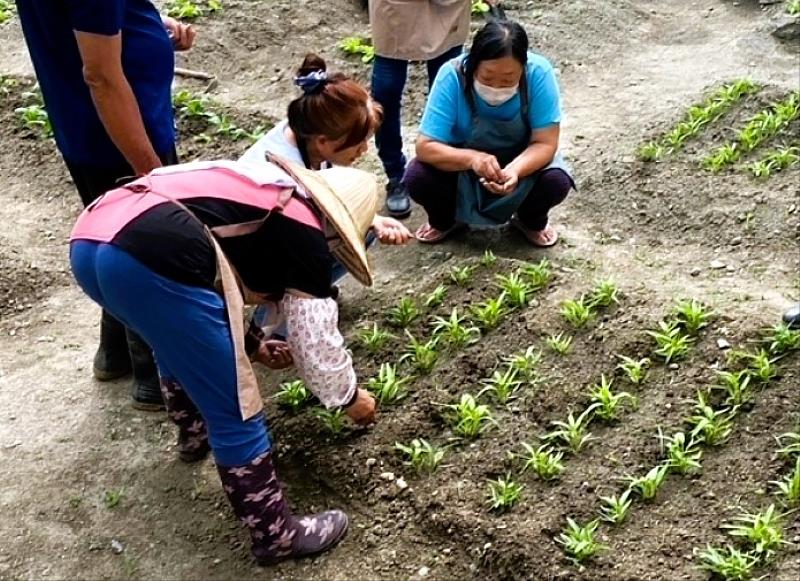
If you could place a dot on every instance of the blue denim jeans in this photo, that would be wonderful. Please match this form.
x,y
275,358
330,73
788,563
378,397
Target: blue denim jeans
x,y
388,81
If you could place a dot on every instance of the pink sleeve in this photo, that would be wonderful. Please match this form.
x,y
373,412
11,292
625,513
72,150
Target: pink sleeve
x,y
318,349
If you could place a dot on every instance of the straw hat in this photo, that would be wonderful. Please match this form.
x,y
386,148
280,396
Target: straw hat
x,y
349,199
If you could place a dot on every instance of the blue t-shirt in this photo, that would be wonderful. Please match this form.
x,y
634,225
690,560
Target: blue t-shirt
x,y
447,117
147,60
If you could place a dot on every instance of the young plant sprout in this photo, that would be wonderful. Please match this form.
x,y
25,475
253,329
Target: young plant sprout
x,y
651,151
782,339
682,456
724,156
573,432
461,275
538,275
709,426
604,293
502,386
422,356
36,118
635,369
387,387
790,444
332,420
736,384
561,343
647,486
405,313
763,531
692,316
490,312
761,367
359,46
607,402
793,7
578,541
436,297
455,331
728,563
488,259
504,493
577,312
671,343
470,419
525,363
374,339
422,456
191,9
789,487
544,461
516,289
615,508
479,7
293,394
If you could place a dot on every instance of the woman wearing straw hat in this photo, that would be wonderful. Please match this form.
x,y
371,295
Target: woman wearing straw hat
x,y
175,255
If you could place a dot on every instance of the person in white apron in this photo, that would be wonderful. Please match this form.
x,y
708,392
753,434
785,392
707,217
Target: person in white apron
x,y
176,254
487,152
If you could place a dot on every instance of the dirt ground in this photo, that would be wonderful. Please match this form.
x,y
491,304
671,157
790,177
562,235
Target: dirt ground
x,y
628,70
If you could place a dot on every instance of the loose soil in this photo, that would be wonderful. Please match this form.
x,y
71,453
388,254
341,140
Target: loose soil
x,y
629,69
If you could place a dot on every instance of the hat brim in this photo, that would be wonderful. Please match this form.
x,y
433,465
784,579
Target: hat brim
x,y
352,251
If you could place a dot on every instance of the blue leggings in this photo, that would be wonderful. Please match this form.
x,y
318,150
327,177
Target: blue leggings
x,y
188,329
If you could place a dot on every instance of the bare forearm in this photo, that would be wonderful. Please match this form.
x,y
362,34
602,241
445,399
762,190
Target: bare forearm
x,y
445,157
535,157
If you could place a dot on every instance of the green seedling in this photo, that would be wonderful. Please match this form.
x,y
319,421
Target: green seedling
x,y
332,420
789,443
793,7
578,541
789,487
682,456
293,394
504,493
573,433
517,290
525,364
692,316
502,386
635,369
736,384
479,7
405,313
387,387
374,339
710,426
647,486
763,531
470,419
112,498
6,11
577,312
462,275
544,461
455,330
537,275
775,161
191,9
488,259
358,45
422,356
422,456
614,509
782,339
190,106
604,293
490,312
35,117
608,403
436,297
561,343
651,151
761,367
727,563
724,156
671,343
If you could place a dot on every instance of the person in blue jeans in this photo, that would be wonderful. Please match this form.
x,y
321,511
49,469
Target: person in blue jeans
x,y
433,31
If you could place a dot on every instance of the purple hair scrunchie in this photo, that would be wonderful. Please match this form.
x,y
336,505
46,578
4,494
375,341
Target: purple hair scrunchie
x,y
312,82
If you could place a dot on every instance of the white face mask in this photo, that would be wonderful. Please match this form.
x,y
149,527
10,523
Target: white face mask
x,y
494,96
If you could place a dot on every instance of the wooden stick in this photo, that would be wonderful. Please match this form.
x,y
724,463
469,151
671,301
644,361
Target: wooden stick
x,y
181,72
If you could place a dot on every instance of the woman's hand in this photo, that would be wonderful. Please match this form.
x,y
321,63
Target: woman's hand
x,y
362,411
487,167
182,35
274,354
390,231
511,180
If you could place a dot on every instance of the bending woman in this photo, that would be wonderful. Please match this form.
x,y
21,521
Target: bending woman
x,y
488,145
151,253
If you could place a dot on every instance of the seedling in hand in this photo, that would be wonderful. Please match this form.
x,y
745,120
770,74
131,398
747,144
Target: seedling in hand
x,y
573,432
504,493
374,339
607,402
455,331
635,369
405,313
293,394
647,486
577,312
578,541
490,312
692,316
614,508
461,275
436,297
544,461
561,343
516,290
387,387
470,419
422,456
671,343
502,386
421,355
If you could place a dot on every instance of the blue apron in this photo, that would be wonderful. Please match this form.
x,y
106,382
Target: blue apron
x,y
477,206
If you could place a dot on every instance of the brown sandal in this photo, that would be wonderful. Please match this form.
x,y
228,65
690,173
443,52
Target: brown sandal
x,y
435,238
544,238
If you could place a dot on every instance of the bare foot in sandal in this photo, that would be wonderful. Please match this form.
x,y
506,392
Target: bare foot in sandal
x,y
430,235
542,238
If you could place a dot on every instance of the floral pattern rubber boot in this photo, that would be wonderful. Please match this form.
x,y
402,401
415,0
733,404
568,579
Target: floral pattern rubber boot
x,y
257,499
192,435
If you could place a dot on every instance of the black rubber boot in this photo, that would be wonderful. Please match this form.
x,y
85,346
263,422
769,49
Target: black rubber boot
x,y
112,359
146,387
398,202
792,317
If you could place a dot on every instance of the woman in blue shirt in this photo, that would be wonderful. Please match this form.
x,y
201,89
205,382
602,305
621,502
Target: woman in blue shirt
x,y
488,146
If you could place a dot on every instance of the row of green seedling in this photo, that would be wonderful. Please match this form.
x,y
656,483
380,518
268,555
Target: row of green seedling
x,y
775,161
192,9
696,118
761,127
200,107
